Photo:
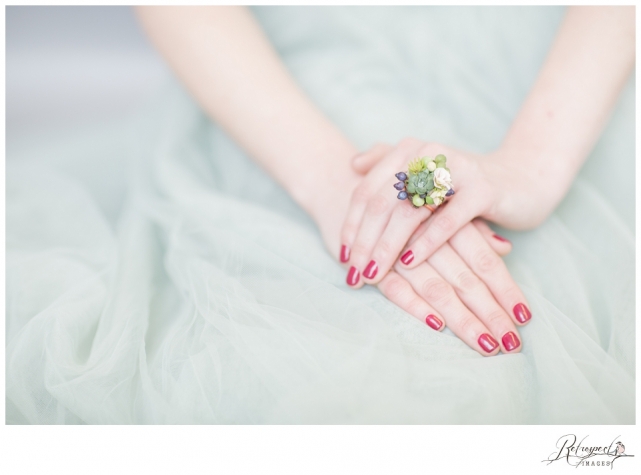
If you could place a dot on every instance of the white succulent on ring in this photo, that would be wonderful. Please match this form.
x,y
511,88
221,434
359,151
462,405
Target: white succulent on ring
x,y
442,178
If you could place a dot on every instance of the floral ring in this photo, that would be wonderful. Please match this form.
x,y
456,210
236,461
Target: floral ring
x,y
427,182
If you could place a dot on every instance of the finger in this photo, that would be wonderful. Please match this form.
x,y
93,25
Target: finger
x,y
442,226
429,285
476,296
399,291
355,211
492,270
376,176
498,243
363,162
371,213
403,222
377,214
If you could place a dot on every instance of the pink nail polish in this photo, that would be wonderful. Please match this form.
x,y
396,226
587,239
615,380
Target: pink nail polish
x,y
352,276
521,312
408,257
500,238
345,251
488,343
510,341
371,270
433,322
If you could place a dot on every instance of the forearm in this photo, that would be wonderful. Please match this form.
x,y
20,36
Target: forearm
x,y
564,114
227,63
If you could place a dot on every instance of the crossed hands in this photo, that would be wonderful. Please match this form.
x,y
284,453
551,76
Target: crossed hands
x,y
444,268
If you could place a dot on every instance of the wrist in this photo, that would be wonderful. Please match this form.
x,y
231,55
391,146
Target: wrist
x,y
526,186
328,183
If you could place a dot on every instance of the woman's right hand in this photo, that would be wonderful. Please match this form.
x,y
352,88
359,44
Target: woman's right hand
x,y
378,225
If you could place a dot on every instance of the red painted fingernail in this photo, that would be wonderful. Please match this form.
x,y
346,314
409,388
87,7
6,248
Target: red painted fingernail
x,y
488,343
344,253
433,322
408,257
500,238
510,341
352,276
521,312
371,270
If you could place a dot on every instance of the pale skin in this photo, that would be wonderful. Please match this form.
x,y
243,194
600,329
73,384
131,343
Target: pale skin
x,y
228,65
520,184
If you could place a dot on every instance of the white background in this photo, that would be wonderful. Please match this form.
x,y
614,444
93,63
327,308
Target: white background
x,y
74,66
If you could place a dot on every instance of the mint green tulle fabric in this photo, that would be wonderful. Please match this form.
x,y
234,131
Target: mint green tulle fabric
x,y
156,275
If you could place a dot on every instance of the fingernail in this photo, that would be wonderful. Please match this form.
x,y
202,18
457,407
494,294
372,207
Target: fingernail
x,y
344,253
408,257
488,343
371,270
521,312
500,238
352,276
510,341
433,322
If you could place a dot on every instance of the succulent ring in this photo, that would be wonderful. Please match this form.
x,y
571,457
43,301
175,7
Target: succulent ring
x,y
427,182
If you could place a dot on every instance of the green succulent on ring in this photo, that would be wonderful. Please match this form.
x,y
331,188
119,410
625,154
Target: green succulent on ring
x,y
416,166
420,183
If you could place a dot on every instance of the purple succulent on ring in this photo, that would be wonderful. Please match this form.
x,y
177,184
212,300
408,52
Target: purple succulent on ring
x,y
401,176
399,186
402,195
450,192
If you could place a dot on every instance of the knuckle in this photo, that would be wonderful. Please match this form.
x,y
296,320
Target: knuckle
x,y
496,318
479,222
466,281
360,195
425,242
378,205
467,326
407,212
436,290
434,148
444,223
428,148
487,261
359,249
380,147
408,143
415,306
383,249
359,154
394,288
349,232
511,293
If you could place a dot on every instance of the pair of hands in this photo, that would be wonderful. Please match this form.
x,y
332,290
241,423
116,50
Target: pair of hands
x,y
450,272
